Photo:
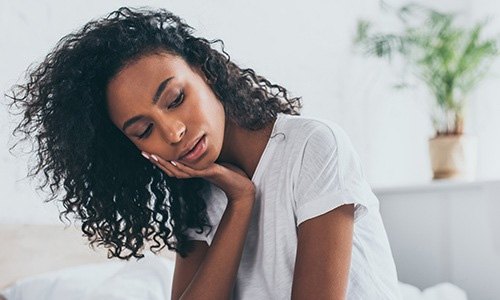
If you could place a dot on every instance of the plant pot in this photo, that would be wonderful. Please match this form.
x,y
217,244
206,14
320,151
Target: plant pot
x,y
453,156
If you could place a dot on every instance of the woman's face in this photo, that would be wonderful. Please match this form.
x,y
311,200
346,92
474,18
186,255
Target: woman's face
x,y
164,107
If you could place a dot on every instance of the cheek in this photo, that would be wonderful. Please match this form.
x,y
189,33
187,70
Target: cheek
x,y
151,146
139,147
219,127
147,145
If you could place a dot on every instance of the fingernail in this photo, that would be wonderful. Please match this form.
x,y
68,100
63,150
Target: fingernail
x,y
144,154
173,162
154,157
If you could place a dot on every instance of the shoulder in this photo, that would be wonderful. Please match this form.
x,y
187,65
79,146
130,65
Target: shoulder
x,y
316,138
324,147
328,173
331,133
309,130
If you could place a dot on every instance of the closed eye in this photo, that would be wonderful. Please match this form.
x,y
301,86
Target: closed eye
x,y
146,132
178,101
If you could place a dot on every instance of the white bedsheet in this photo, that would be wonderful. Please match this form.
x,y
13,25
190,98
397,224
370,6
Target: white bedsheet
x,y
441,291
147,279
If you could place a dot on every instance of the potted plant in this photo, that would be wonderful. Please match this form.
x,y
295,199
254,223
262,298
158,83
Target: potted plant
x,y
450,60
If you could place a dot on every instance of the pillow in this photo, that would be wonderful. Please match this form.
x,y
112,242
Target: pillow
x,y
149,278
441,291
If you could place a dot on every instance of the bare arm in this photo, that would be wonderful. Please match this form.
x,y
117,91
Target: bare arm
x,y
186,267
216,274
324,255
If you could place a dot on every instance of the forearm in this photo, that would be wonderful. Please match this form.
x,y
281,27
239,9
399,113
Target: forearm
x,y
216,275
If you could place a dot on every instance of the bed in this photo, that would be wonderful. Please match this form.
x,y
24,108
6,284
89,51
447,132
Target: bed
x,y
52,262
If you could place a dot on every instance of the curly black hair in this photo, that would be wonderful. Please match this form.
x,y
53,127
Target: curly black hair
x,y
122,200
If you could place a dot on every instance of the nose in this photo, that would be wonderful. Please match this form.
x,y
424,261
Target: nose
x,y
172,131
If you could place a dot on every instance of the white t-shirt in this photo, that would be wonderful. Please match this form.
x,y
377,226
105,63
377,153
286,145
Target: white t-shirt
x,y
308,168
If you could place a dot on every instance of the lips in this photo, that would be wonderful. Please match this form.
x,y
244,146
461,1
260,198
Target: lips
x,y
190,148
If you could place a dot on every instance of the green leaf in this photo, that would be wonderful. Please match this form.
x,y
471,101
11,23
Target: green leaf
x,y
448,58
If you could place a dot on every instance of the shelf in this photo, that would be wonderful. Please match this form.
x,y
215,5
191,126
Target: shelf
x,y
434,186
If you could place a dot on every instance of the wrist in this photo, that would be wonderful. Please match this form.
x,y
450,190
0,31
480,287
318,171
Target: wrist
x,y
244,203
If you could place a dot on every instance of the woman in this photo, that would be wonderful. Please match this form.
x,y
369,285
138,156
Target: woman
x,y
155,136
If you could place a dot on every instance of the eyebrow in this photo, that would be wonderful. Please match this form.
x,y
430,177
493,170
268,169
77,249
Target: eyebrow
x,y
155,99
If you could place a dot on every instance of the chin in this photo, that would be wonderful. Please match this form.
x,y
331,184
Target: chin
x,y
202,164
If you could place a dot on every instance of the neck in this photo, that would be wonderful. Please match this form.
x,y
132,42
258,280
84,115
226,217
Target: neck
x,y
242,147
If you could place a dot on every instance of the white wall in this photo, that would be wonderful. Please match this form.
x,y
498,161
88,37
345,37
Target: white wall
x,y
432,243
304,46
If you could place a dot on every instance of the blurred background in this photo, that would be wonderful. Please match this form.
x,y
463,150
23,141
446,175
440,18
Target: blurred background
x,y
440,231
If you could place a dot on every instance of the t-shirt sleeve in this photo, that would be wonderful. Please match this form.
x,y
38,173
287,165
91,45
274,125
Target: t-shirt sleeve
x,y
330,175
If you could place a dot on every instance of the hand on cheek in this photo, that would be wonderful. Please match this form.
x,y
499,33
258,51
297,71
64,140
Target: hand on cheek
x,y
171,168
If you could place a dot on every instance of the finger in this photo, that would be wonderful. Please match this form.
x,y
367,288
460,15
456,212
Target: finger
x,y
155,160
169,172
167,166
211,170
165,170
186,169
160,166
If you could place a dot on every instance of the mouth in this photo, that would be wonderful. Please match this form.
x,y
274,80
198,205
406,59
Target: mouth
x,y
195,151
